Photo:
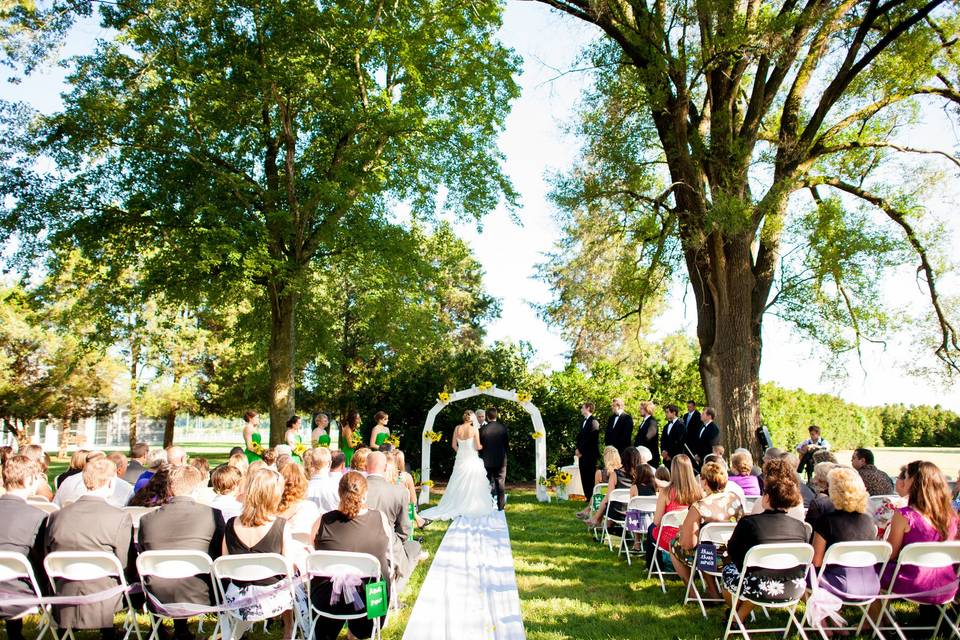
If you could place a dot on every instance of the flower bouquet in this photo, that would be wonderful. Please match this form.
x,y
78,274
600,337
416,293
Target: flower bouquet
x,y
432,436
299,449
257,448
394,440
356,440
444,397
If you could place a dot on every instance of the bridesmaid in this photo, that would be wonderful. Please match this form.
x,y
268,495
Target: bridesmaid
x,y
319,436
251,437
380,431
292,436
350,426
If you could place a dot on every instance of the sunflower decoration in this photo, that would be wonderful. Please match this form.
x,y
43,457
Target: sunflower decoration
x,y
427,483
523,397
299,449
394,440
485,386
536,435
563,478
355,440
542,481
444,397
257,448
432,436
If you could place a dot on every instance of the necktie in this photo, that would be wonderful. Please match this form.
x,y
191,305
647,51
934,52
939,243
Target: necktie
x,y
686,421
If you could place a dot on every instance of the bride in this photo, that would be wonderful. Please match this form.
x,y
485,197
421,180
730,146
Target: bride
x,y
468,491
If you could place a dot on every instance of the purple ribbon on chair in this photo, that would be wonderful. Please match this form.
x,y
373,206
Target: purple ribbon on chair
x,y
345,583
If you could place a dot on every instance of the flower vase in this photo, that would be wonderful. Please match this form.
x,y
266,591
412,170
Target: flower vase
x,y
561,492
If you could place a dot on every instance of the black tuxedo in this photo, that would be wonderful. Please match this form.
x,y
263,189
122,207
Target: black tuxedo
x,y
673,439
495,443
588,444
619,435
648,435
702,441
692,422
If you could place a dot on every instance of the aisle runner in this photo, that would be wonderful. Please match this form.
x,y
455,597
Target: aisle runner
x,y
470,591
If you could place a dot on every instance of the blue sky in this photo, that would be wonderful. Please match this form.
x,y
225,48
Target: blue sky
x,y
535,144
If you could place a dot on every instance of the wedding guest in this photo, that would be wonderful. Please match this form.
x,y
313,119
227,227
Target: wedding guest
x,y
717,505
848,522
155,458
380,431
391,501
359,461
619,426
821,503
616,478
741,466
137,464
338,463
156,491
406,481
928,517
226,486
182,524
663,477
259,529
877,482
773,525
234,451
775,473
806,493
239,462
91,524
73,487
204,493
269,458
352,527
646,484
22,530
730,487
674,434
322,487
77,460
36,453
176,456
283,457
683,491
301,514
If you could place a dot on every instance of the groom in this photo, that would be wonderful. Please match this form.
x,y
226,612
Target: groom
x,y
493,438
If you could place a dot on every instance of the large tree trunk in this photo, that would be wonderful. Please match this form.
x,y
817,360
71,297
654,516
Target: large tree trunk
x,y
283,341
65,430
134,391
168,427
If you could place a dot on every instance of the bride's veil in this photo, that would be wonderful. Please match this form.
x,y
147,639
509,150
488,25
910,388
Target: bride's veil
x,y
473,421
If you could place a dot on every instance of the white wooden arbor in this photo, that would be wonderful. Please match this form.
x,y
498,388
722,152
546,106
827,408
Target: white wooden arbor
x,y
511,395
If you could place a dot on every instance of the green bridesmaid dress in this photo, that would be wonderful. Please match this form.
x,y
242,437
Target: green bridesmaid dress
x,y
347,449
251,456
381,438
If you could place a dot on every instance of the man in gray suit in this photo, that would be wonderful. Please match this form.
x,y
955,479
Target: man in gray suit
x,y
138,462
391,500
21,531
91,524
182,524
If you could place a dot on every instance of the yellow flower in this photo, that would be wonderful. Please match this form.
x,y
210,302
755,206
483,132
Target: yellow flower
x,y
299,449
356,439
432,436
427,483
444,397
394,440
257,448
485,386
523,397
536,435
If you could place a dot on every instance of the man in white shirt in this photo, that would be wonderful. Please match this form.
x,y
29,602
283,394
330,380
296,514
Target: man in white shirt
x,y
72,488
323,488
808,447
481,417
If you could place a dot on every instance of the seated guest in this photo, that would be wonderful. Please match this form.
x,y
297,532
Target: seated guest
x,y
235,450
821,503
355,528
359,460
623,477
808,447
646,484
741,468
91,524
176,456
258,529
301,514
156,491
663,477
847,522
611,462
684,490
391,501
122,490
226,486
877,482
182,524
338,465
781,492
137,464
806,493
72,487
322,488
239,461
36,453
77,460
22,529
729,487
155,459
717,505
406,481
203,466
796,511
269,459
928,517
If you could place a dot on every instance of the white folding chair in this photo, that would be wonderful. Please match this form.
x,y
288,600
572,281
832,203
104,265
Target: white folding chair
x,y
929,555
809,528
16,566
599,490
252,567
854,555
332,563
46,507
41,499
717,533
81,566
135,514
669,519
749,502
646,505
173,565
623,497
778,557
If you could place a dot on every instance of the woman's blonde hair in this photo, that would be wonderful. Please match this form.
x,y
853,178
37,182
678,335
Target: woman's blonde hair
x,y
847,491
391,473
715,476
294,485
359,460
821,471
684,487
261,498
239,462
353,494
611,459
742,463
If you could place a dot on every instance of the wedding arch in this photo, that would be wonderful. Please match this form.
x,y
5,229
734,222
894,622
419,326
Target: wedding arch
x,y
489,389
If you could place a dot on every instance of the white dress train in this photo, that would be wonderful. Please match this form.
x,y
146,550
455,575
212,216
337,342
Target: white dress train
x,y
468,490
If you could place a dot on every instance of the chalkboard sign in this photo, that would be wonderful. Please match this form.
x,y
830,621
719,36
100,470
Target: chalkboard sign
x,y
707,559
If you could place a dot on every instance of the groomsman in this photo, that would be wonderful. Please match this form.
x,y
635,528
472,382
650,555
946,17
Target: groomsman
x,y
648,435
702,441
588,443
619,427
691,419
674,434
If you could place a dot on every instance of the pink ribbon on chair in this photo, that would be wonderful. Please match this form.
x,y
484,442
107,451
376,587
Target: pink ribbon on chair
x,y
822,605
345,584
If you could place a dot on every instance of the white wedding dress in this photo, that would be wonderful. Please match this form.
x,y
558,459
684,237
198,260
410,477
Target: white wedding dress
x,y
468,490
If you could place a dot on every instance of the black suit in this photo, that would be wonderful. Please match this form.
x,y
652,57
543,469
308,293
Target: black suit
x,y
495,443
183,524
702,442
588,444
648,435
674,436
692,422
391,500
619,431
22,530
